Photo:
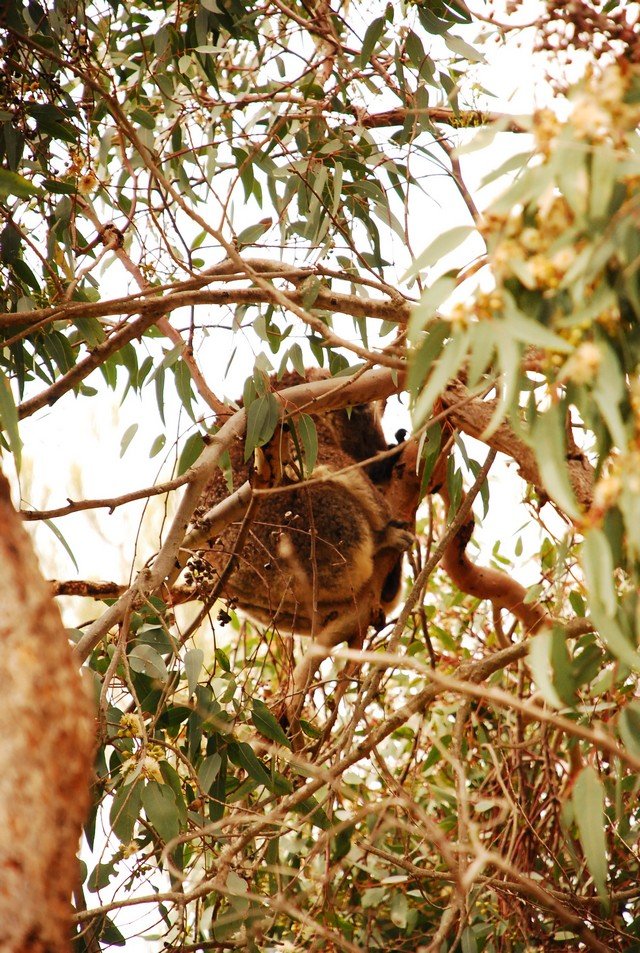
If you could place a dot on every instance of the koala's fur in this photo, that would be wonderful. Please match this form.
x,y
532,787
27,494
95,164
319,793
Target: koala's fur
x,y
308,559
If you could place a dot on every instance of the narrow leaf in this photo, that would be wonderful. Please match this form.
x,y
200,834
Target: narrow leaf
x,y
161,809
127,437
597,563
262,417
58,535
9,418
209,770
266,723
193,666
551,454
588,801
13,184
243,755
539,661
437,249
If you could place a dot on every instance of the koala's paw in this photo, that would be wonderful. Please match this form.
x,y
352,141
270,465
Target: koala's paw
x,y
398,536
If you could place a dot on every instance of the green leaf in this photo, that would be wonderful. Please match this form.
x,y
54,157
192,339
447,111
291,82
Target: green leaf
x,y
608,392
629,727
125,808
434,252
13,184
193,447
532,332
588,802
218,791
193,660
548,438
597,563
509,361
100,876
262,418
110,934
168,360
183,381
161,809
447,367
22,271
465,51
250,235
157,445
243,756
266,723
58,535
615,639
143,118
60,188
371,37
127,437
539,661
468,942
563,677
9,419
222,660
483,343
146,661
305,429
430,300
50,120
209,770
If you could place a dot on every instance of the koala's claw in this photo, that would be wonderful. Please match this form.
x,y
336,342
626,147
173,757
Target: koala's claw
x,y
397,536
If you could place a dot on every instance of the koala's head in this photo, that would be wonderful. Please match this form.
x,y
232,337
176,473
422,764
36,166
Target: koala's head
x,y
358,429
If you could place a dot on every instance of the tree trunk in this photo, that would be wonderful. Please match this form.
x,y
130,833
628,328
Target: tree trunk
x,y
45,753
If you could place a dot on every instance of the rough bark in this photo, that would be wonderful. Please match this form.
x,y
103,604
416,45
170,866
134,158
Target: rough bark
x,y
472,416
46,742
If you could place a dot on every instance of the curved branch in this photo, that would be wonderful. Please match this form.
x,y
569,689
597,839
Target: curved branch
x,y
462,119
97,356
473,416
190,293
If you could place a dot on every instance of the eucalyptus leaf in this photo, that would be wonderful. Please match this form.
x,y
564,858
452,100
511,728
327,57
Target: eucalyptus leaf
x,y
145,660
588,801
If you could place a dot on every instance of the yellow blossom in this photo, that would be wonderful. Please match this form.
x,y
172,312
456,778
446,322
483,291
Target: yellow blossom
x,y
589,119
563,259
606,492
151,769
583,364
531,240
131,726
87,183
546,127
504,253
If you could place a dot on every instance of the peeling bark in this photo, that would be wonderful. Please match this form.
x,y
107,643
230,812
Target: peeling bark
x,y
46,742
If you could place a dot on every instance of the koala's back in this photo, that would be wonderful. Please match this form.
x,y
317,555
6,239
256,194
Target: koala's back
x,y
310,546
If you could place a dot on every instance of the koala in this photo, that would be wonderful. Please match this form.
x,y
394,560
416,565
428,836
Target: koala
x,y
308,560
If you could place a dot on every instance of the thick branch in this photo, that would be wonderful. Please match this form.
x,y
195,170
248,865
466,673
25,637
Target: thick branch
x,y
97,356
473,417
464,118
168,298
